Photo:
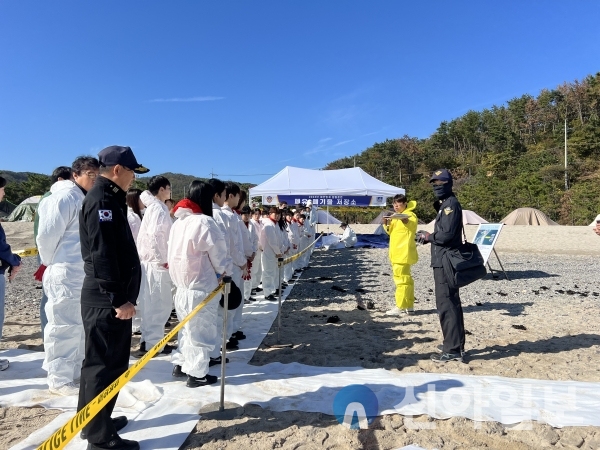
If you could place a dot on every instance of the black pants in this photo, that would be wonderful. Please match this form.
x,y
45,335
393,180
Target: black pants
x,y
107,347
447,302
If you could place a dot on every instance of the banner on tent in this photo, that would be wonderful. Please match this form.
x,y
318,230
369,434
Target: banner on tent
x,y
325,200
485,238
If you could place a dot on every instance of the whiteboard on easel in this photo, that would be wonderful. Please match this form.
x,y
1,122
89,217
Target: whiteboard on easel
x,y
486,237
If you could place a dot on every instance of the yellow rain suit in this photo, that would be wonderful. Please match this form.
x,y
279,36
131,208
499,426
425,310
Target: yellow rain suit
x,y
403,254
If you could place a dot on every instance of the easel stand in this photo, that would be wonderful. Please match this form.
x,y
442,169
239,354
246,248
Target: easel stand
x,y
501,267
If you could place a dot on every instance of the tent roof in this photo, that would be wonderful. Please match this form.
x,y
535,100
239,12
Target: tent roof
x,y
382,214
468,218
527,216
354,181
593,224
324,217
31,200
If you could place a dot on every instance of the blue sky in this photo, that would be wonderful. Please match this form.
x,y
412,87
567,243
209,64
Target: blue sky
x,y
248,87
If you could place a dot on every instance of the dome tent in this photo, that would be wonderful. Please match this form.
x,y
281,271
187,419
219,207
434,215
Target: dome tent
x,y
528,216
25,211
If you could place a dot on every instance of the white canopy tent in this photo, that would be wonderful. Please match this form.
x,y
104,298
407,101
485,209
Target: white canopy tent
x,y
347,182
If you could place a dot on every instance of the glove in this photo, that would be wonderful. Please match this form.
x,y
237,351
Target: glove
x,y
422,237
39,274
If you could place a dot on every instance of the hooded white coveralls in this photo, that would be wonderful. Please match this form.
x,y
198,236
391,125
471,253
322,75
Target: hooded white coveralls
x,y
239,248
134,224
272,245
253,236
307,239
256,271
155,299
60,250
222,221
197,253
294,239
347,239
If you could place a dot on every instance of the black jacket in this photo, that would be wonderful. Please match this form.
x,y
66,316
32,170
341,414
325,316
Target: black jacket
x,y
7,257
111,262
448,229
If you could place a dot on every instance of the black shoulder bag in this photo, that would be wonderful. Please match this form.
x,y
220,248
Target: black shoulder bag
x,y
463,265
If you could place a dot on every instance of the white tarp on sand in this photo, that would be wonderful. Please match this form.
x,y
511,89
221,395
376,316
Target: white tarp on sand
x,y
163,411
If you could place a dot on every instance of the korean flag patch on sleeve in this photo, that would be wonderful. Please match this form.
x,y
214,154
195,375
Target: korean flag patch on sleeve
x,y
105,215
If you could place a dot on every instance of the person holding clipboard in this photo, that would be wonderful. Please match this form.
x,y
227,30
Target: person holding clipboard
x,y
402,229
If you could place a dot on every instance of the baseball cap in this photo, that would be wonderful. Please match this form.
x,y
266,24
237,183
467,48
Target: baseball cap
x,y
442,175
115,154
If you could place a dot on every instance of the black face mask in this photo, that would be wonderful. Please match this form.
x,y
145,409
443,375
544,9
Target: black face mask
x,y
442,191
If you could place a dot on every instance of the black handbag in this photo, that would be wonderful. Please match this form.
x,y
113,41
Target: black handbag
x,y
463,265
235,298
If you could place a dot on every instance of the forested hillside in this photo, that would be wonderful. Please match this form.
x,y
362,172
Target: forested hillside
x,y
505,157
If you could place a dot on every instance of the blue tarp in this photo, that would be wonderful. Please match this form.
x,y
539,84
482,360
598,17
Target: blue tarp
x,y
368,241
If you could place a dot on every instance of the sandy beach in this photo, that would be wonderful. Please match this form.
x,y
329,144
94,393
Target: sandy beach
x,y
541,324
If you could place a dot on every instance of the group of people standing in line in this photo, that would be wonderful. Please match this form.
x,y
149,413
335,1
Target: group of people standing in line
x,y
109,270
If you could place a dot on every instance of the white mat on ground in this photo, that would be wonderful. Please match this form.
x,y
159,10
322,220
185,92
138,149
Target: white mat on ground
x,y
165,411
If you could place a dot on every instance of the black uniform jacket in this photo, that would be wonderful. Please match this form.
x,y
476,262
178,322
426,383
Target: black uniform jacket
x,y
111,262
448,229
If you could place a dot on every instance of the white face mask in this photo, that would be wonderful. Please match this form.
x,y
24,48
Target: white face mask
x,y
142,211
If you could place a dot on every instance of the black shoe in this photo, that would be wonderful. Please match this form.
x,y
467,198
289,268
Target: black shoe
x,y
137,333
292,281
239,335
233,340
271,298
168,324
441,349
284,284
232,345
115,444
139,352
258,289
177,373
118,422
253,292
193,382
442,358
216,361
251,299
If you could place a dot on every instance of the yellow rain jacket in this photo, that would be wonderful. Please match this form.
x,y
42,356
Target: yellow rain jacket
x,y
403,249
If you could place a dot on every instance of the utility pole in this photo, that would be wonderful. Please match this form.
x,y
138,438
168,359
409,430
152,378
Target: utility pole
x,y
213,174
566,175
354,160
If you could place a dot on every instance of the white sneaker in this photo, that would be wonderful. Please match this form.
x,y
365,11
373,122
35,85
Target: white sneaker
x,y
409,311
66,390
4,364
394,312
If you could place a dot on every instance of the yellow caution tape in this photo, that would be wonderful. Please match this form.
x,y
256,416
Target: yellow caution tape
x,y
298,255
65,433
26,252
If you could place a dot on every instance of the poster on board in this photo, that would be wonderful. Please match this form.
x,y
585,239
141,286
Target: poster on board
x,y
485,238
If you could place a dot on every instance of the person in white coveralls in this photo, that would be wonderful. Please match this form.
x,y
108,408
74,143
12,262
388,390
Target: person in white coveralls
x,y
197,259
155,300
62,268
272,245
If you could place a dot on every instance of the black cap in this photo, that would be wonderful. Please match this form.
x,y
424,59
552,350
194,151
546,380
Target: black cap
x,y
343,224
442,175
115,154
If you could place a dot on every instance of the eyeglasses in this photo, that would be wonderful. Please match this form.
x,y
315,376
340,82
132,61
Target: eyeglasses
x,y
439,182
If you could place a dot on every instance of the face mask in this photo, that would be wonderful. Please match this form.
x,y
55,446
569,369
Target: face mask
x,y
442,191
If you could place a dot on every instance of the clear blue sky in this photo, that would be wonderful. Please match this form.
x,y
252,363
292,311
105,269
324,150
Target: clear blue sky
x,y
248,87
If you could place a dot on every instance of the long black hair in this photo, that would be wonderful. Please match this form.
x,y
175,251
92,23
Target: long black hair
x,y
2,182
133,200
202,194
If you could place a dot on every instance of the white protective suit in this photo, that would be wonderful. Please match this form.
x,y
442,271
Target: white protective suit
x,y
59,249
253,237
222,221
134,223
270,240
256,271
294,239
287,247
197,253
312,222
240,246
155,300
348,238
308,238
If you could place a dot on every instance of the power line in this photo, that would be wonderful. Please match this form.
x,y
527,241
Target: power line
x,y
245,175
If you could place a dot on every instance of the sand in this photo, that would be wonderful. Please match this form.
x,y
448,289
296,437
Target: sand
x,y
542,324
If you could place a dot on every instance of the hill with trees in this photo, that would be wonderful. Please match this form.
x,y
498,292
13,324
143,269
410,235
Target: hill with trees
x,y
505,157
